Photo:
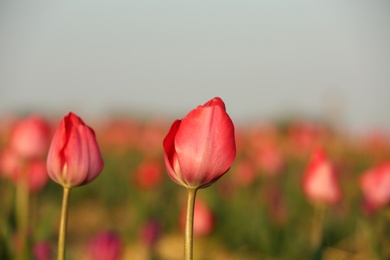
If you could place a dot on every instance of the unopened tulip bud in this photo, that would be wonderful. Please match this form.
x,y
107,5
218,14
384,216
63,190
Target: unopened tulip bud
x,y
200,148
74,157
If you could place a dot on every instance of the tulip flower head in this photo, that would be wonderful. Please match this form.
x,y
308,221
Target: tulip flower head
x,y
107,245
200,148
30,137
74,157
320,182
375,185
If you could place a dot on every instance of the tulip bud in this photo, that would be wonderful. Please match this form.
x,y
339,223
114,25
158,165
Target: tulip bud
x,y
200,148
320,182
42,251
30,137
375,185
107,245
74,157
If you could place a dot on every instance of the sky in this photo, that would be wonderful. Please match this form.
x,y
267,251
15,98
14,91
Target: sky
x,y
266,59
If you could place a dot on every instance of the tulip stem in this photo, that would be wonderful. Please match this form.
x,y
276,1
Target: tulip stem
x,y
189,230
63,224
22,201
318,226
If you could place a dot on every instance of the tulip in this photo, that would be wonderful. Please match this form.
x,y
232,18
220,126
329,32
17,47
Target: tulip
x,y
42,251
74,157
30,137
150,233
320,182
375,185
148,174
198,150
321,186
107,245
73,160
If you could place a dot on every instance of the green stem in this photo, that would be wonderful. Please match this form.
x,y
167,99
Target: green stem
x,y
318,226
63,224
22,210
189,230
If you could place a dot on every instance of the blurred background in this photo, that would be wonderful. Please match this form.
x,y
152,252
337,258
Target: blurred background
x,y
266,59
295,76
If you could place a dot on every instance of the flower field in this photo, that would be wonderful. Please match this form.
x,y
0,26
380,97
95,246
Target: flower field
x,y
279,200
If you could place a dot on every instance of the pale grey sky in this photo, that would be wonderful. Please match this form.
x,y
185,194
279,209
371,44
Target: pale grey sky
x,y
264,58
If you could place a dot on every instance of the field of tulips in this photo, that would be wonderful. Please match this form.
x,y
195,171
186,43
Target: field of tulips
x,y
297,189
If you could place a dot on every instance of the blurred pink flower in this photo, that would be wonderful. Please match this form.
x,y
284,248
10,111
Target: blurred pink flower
x,y
320,181
243,172
148,174
106,245
203,219
42,251
9,163
150,233
34,170
37,173
375,185
269,159
29,137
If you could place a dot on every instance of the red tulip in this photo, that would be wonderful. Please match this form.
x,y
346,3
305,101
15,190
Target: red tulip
x,y
42,251
320,182
30,137
107,245
34,170
74,157
200,148
375,185
37,175
148,174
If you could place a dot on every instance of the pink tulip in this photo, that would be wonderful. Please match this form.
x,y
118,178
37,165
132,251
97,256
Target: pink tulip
x,y
200,148
150,233
203,219
9,164
106,245
375,185
34,170
30,137
37,175
320,182
42,251
74,157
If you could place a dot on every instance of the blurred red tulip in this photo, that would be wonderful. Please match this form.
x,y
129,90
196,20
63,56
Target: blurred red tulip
x,y
37,175
269,159
9,163
148,174
320,181
42,251
107,245
74,157
200,148
30,137
150,233
203,219
11,168
375,185
244,172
